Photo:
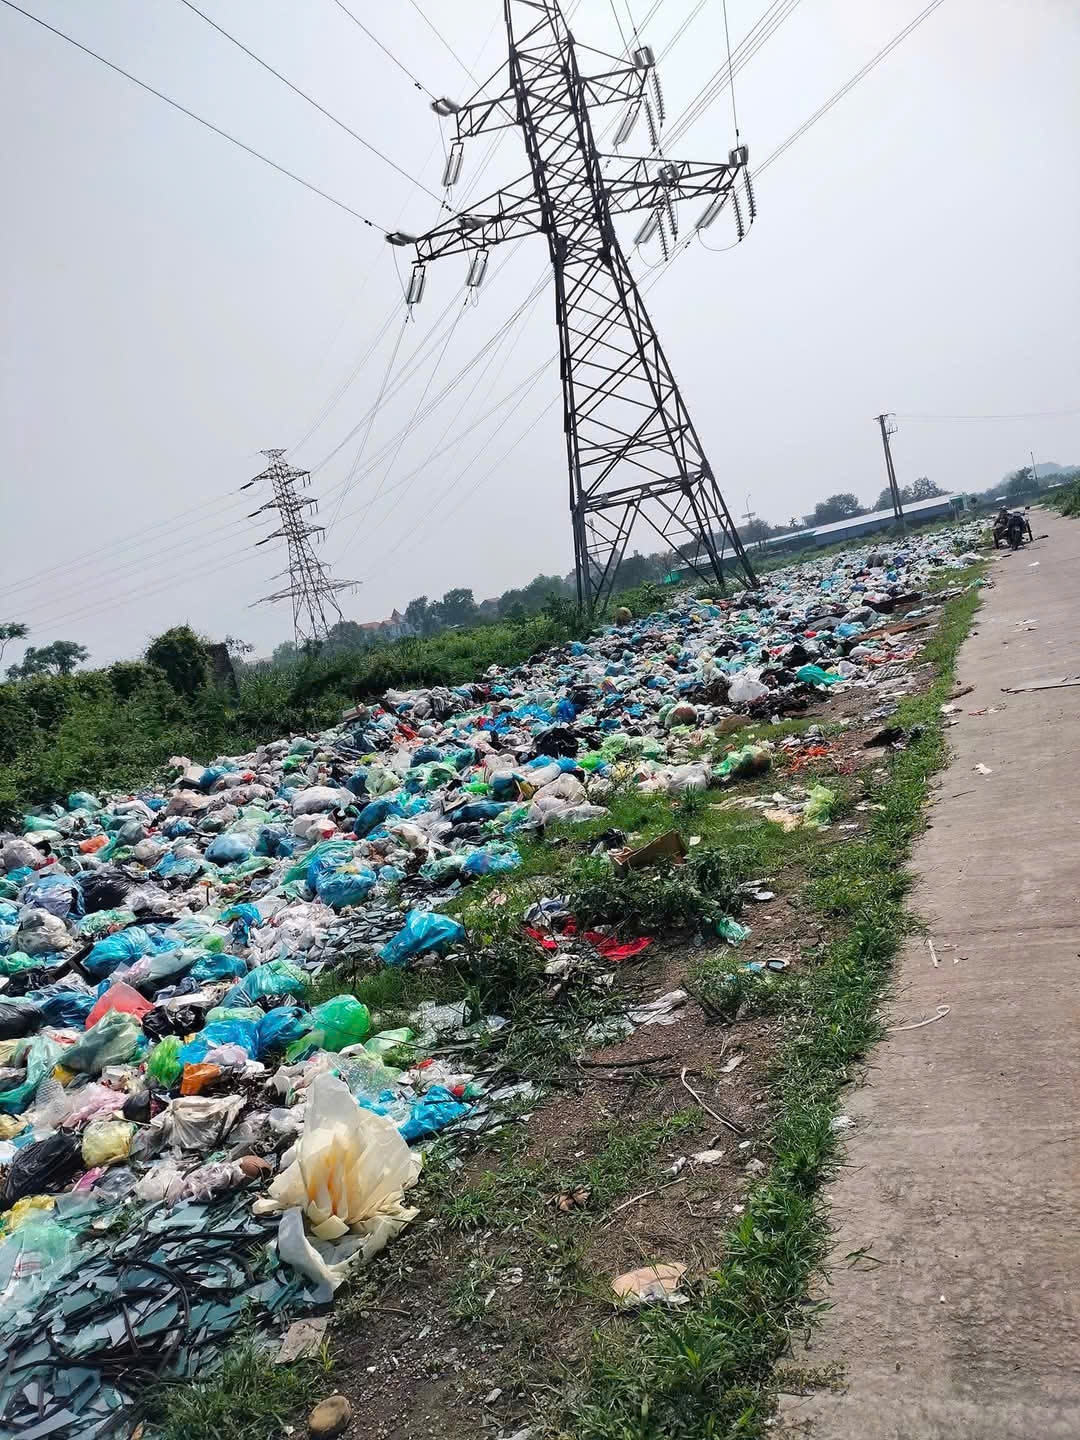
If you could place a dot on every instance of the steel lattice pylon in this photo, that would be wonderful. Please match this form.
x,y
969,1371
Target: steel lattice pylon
x,y
633,452
310,587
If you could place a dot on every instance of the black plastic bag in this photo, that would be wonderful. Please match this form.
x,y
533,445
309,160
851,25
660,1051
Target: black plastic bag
x,y
46,1165
17,1020
104,889
175,1020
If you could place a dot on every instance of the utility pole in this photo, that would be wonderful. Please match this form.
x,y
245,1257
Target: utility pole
x,y
632,451
888,427
310,588
1034,472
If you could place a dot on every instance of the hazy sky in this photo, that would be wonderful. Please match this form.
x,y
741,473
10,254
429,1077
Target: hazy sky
x,y
171,305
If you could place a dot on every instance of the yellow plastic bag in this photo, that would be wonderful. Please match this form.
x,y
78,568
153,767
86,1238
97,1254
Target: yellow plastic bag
x,y
10,1125
107,1142
23,1209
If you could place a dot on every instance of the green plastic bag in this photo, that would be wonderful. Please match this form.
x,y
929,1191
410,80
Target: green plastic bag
x,y
164,1066
105,922
819,806
388,1040
749,760
111,1041
338,1022
16,961
814,675
250,1013
39,1057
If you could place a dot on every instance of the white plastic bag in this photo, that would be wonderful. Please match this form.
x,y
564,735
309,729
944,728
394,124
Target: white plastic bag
x,y
351,1169
745,688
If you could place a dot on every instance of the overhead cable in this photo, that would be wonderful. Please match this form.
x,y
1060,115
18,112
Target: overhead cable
x,y
176,105
305,96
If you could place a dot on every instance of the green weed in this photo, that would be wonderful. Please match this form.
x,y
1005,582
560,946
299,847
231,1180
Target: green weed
x,y
250,1398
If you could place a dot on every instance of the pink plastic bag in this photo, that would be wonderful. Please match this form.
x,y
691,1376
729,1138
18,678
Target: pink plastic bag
x,y
119,997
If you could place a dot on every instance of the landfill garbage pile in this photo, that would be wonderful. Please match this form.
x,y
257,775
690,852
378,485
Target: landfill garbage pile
x,y
183,1135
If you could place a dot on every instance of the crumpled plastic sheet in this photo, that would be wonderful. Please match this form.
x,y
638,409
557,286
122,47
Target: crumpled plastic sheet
x,y
159,1303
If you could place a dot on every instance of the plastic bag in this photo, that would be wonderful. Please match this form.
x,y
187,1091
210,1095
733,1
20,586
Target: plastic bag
x,y
196,1077
340,1021
388,1040
105,922
119,949
41,932
745,688
45,1165
111,1041
107,1142
231,847
165,1066
217,967
351,1169
276,977
814,675
223,1032
279,1028
437,1109
738,764
819,805
39,1057
18,1018
423,930
197,1122
104,888
118,997
340,888
59,894
32,1260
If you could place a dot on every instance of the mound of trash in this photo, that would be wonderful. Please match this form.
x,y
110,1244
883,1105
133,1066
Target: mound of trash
x,y
184,1134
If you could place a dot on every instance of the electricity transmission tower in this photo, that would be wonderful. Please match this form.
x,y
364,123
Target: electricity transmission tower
x,y
310,587
632,450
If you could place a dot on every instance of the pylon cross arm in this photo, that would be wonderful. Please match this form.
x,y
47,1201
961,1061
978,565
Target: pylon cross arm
x,y
643,184
507,215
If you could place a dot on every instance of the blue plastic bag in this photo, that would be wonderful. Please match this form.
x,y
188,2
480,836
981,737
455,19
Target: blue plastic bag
x,y
276,977
279,1028
63,1008
326,857
423,930
119,949
230,847
177,867
339,888
374,813
436,1109
83,800
217,967
59,894
493,860
244,918
244,1033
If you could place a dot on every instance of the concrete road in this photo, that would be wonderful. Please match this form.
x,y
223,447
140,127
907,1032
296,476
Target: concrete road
x,y
963,1176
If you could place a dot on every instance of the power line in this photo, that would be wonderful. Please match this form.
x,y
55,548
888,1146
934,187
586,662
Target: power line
x,y
1029,415
387,52
850,85
371,419
341,205
305,96
443,41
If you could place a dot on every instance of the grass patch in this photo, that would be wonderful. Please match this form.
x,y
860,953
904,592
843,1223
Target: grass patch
x,y
250,1398
708,1371
517,1192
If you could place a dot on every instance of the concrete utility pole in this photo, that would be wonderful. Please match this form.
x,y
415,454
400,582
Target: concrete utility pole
x,y
888,427
1034,472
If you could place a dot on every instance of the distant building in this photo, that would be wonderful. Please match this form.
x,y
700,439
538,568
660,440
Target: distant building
x,y
916,512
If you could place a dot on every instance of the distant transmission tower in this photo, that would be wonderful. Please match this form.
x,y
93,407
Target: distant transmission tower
x,y
310,588
632,449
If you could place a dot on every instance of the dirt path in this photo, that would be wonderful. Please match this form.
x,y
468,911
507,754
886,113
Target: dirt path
x,y
964,1181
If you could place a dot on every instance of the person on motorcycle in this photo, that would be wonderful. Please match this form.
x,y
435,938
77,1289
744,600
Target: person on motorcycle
x,y
1001,525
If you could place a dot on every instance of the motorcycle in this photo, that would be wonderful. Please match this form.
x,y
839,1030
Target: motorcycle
x,y
1012,527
